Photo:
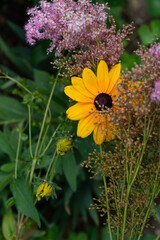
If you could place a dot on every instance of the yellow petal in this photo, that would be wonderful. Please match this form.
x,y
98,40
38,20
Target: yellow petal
x,y
102,77
80,110
110,132
99,134
71,92
114,91
78,84
86,126
113,76
90,81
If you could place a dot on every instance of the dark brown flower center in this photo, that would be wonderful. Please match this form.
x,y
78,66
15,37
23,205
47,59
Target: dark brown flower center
x,y
103,101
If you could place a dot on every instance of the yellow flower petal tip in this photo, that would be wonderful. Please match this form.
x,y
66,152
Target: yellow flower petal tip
x,y
95,95
44,190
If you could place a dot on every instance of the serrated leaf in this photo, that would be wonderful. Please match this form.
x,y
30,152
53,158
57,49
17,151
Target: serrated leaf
x,y
69,168
23,198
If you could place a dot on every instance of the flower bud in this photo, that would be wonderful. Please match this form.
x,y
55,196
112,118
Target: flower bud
x,y
63,146
44,190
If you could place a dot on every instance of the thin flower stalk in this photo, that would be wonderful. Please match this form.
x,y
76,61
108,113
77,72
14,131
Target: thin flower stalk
x,y
50,141
50,165
17,82
45,132
17,154
42,128
52,170
30,133
45,116
107,202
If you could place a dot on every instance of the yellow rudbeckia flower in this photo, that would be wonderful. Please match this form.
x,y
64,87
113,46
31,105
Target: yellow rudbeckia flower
x,y
94,94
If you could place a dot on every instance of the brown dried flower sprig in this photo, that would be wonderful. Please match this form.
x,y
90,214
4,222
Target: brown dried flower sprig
x,y
131,172
107,46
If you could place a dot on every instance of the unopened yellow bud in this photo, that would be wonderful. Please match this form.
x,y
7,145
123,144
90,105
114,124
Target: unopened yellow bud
x,y
63,146
44,190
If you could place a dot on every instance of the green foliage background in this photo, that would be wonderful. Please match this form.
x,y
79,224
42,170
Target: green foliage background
x,y
67,217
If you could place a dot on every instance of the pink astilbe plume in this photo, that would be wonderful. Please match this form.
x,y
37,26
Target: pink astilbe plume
x,y
80,28
64,23
155,52
155,96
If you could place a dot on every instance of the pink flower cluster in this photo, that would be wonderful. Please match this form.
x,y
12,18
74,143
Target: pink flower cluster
x,y
155,96
65,23
155,51
81,29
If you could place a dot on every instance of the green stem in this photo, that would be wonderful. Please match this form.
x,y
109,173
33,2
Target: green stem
x,y
17,154
41,131
45,134
43,141
125,213
45,116
52,171
32,170
146,216
158,237
107,202
51,139
30,133
18,83
50,164
154,194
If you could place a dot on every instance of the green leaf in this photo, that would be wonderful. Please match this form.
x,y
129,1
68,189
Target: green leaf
x,y
105,234
85,146
4,179
11,109
128,60
79,236
17,29
156,212
6,147
9,226
39,54
7,167
19,62
23,198
42,80
69,168
92,233
154,7
149,237
147,34
10,202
